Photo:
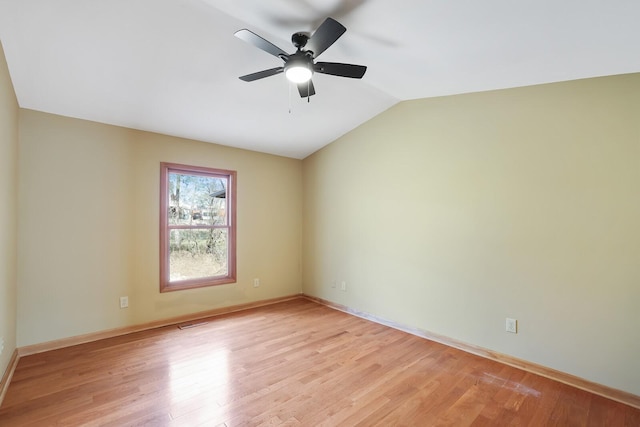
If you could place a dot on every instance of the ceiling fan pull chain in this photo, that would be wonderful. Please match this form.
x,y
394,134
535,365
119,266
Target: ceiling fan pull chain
x,y
289,86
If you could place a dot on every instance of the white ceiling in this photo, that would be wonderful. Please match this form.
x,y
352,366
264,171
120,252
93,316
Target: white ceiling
x,y
172,66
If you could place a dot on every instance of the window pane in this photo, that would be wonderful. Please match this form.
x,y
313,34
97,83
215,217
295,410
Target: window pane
x,y
196,254
197,227
197,200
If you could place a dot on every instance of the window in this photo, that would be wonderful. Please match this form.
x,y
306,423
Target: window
x,y
197,227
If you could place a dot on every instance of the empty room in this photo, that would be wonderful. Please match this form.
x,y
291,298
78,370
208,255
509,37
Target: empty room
x,y
345,212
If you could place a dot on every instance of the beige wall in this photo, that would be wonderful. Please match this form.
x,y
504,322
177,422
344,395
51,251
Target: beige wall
x,y
89,197
8,213
451,214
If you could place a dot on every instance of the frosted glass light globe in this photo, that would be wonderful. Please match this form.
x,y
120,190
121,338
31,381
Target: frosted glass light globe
x,y
298,74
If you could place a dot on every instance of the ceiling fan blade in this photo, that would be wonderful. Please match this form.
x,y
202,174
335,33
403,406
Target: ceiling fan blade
x,y
254,39
342,70
306,89
325,36
262,74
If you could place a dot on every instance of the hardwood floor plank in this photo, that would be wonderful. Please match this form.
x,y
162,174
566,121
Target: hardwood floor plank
x,y
288,364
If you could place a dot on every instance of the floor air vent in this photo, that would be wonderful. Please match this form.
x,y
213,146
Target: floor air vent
x,y
191,325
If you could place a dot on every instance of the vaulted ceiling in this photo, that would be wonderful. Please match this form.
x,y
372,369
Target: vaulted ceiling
x,y
172,66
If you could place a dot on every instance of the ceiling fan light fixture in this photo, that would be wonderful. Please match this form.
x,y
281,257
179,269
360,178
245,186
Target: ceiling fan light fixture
x,y
298,73
300,66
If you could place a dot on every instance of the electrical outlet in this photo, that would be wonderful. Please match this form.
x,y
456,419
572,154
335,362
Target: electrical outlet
x,y
343,286
124,302
256,283
512,325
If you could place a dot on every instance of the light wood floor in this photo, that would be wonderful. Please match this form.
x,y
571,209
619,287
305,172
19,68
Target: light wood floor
x,y
292,363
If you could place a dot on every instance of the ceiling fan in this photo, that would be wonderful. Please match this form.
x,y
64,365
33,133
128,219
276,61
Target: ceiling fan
x,y
300,65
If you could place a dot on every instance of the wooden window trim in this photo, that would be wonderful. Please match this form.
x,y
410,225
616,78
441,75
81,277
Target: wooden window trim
x,y
165,284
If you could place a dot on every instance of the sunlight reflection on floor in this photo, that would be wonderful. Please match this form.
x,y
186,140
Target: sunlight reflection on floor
x,y
198,382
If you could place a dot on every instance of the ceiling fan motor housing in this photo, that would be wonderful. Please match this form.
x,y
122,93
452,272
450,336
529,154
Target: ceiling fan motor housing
x,y
299,40
301,58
